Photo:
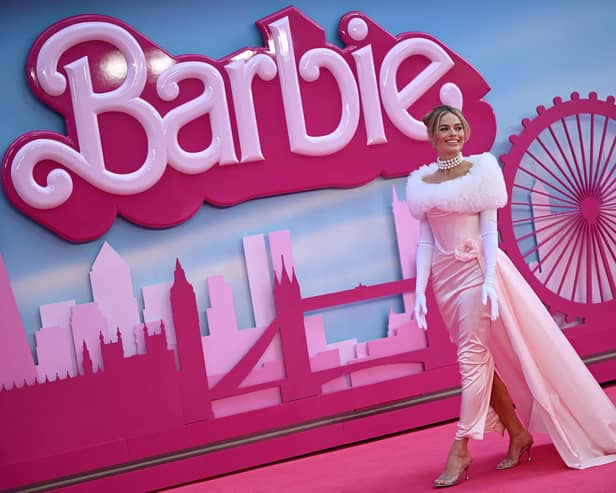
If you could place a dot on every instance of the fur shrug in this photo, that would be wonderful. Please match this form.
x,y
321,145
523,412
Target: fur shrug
x,y
483,187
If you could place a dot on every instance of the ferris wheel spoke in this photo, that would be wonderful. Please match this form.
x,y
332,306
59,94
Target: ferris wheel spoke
x,y
557,216
555,224
524,220
595,171
548,183
571,244
579,245
522,187
609,241
609,221
608,211
544,259
609,194
555,240
588,238
526,205
606,165
594,261
591,148
573,194
575,186
608,205
572,150
542,217
583,153
609,186
608,224
564,157
556,264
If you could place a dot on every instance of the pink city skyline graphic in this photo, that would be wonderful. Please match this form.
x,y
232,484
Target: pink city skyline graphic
x,y
104,377
114,311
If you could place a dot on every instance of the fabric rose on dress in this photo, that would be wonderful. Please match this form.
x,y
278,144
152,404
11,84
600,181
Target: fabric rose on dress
x,y
467,250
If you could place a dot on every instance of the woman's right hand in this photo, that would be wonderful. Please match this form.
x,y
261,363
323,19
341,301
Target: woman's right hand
x,y
420,311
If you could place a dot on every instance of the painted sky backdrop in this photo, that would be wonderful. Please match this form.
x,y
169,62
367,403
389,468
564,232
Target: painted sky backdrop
x,y
527,51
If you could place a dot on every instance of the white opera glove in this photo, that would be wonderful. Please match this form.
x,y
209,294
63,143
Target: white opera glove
x,y
425,246
421,310
489,236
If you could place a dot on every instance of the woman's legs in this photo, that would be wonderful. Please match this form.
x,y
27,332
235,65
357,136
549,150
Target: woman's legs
x,y
520,440
476,370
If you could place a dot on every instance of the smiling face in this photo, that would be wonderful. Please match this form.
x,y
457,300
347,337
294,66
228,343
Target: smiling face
x,y
449,136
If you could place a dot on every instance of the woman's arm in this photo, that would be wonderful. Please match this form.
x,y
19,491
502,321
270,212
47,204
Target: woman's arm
x,y
425,246
489,236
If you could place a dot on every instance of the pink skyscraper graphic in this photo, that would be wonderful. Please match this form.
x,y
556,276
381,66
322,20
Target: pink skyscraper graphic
x,y
16,362
259,279
112,289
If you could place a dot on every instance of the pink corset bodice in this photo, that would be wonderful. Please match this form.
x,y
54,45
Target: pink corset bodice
x,y
451,229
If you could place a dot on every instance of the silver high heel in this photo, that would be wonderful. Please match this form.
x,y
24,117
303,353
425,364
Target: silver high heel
x,y
452,480
509,463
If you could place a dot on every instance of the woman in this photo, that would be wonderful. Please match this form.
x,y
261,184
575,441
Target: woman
x,y
507,343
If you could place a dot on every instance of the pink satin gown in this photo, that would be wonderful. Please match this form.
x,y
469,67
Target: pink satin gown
x,y
551,387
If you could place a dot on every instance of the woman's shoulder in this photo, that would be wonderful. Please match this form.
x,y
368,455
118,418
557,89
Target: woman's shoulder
x,y
488,178
423,171
416,189
484,160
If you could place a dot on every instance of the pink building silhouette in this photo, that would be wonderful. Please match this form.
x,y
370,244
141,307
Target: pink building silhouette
x,y
16,361
55,349
194,390
112,289
88,323
157,308
56,353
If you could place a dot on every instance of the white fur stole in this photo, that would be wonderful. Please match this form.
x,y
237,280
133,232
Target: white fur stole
x,y
483,187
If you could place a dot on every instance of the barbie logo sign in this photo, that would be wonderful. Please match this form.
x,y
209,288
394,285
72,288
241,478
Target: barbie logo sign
x,y
151,136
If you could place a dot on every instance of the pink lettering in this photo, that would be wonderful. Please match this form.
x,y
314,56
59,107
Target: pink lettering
x,y
151,137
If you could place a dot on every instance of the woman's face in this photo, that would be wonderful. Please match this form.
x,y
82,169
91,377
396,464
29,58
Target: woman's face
x,y
448,138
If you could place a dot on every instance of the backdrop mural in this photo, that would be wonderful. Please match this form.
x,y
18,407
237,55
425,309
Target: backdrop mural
x,y
257,312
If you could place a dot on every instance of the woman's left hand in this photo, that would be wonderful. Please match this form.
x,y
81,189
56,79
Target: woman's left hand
x,y
488,292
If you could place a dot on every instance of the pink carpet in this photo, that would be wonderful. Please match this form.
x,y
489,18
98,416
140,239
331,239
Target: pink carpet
x,y
408,463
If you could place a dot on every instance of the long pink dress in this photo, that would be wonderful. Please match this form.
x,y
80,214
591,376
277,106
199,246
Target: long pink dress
x,y
551,387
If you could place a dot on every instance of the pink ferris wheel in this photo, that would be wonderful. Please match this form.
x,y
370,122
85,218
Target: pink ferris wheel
x,y
559,227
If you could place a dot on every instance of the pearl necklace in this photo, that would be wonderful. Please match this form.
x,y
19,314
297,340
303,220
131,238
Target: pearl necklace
x,y
445,164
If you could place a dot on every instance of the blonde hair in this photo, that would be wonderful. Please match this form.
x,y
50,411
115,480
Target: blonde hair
x,y
433,119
